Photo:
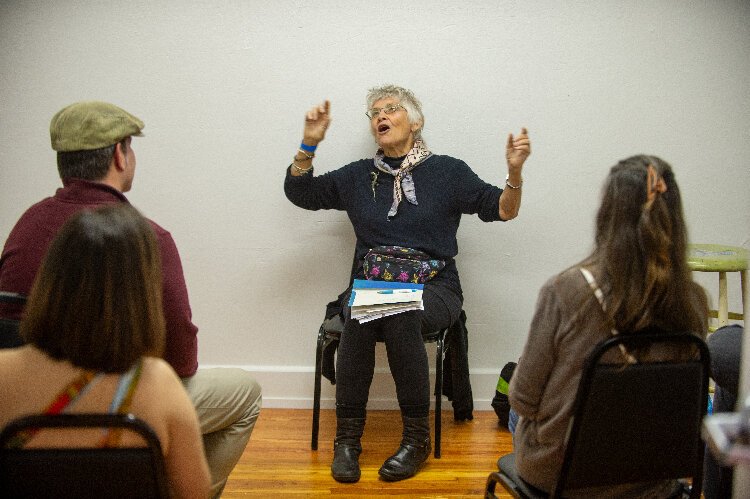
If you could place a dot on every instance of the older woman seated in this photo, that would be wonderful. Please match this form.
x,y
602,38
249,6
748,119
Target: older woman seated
x,y
409,197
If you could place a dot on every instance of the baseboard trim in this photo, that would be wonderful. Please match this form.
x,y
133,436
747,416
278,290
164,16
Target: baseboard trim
x,y
291,387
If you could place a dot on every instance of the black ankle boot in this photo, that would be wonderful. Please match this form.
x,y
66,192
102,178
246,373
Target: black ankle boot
x,y
414,450
346,449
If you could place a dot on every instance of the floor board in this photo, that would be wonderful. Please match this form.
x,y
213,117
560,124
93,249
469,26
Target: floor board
x,y
279,462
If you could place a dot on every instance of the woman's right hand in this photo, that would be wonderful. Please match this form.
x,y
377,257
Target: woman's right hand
x,y
317,120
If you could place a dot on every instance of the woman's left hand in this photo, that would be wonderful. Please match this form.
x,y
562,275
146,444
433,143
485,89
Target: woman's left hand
x,y
517,150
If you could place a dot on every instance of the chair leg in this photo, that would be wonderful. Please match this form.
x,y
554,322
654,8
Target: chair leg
x,y
489,489
438,393
316,394
723,313
745,300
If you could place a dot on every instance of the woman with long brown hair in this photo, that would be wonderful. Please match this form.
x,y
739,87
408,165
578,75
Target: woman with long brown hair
x,y
94,330
635,278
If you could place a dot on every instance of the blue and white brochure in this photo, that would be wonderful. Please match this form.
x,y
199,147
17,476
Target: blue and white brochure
x,y
372,300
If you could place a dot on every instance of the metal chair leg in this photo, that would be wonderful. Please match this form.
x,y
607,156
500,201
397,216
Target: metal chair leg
x,y
316,394
438,392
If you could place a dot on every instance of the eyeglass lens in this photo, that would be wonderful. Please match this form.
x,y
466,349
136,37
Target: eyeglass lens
x,y
387,110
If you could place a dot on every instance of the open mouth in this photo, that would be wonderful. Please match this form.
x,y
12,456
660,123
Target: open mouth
x,y
383,128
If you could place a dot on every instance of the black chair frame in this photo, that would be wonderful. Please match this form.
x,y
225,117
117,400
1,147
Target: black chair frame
x,y
82,472
674,443
330,331
9,337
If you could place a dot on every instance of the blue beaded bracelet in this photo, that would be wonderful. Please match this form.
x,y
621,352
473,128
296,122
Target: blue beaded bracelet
x,y
307,148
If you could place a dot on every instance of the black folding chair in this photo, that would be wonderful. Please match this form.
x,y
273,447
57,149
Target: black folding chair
x,y
63,472
330,331
9,337
633,423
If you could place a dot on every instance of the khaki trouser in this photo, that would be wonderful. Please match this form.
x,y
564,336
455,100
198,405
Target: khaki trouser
x,y
228,402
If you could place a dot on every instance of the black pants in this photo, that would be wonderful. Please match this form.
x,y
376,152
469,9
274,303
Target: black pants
x,y
407,355
725,345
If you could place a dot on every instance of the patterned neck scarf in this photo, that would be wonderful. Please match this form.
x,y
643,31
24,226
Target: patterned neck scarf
x,y
403,184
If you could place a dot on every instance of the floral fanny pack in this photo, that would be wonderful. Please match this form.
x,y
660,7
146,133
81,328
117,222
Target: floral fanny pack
x,y
396,263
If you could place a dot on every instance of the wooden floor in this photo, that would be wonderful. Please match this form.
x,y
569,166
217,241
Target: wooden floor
x,y
278,460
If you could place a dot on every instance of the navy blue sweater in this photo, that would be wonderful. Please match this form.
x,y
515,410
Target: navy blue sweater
x,y
445,188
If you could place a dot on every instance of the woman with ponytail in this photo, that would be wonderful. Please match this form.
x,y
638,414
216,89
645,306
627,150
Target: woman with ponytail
x,y
639,265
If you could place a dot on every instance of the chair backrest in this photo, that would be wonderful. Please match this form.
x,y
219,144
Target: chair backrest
x,y
9,337
640,422
123,472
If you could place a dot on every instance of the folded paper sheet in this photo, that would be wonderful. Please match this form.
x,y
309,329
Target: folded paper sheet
x,y
372,300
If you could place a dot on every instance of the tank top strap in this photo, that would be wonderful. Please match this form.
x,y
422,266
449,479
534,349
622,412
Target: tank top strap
x,y
65,399
125,388
121,402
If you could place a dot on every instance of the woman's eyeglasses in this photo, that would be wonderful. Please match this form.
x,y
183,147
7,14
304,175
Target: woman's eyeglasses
x,y
389,109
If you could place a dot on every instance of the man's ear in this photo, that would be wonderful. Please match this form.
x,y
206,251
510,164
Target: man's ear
x,y
118,158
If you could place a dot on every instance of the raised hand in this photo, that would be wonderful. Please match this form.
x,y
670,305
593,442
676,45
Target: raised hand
x,y
517,150
317,120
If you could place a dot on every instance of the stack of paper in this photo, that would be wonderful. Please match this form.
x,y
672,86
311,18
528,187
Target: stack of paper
x,y
372,300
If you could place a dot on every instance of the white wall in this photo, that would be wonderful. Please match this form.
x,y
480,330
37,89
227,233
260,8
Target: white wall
x,y
223,86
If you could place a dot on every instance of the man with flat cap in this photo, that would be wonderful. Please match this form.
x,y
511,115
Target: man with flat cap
x,y
96,163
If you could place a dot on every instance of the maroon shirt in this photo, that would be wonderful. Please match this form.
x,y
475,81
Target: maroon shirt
x,y
28,242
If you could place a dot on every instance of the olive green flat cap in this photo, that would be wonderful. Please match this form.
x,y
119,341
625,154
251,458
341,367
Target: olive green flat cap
x,y
88,125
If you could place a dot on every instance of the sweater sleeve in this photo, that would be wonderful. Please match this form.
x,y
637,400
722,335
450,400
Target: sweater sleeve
x,y
477,196
313,192
529,381
181,350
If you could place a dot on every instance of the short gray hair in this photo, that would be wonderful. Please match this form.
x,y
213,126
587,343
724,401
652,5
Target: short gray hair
x,y
405,97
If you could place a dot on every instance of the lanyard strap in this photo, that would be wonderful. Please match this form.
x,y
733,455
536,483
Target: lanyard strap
x,y
600,297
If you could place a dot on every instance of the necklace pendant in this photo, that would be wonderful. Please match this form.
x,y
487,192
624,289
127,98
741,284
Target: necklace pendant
x,y
374,183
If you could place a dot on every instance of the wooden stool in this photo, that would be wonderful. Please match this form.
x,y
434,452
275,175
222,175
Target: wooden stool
x,y
721,259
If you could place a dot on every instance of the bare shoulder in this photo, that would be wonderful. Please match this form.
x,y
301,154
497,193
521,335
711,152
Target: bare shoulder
x,y
158,381
158,373
15,361
9,368
6,359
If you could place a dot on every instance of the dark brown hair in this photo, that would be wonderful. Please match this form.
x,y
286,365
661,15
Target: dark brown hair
x,y
642,252
97,298
87,165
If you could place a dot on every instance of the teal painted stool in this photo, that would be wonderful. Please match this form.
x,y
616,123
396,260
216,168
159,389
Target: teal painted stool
x,y
721,259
